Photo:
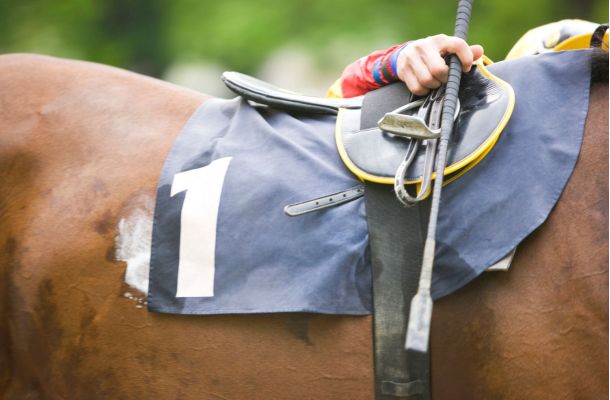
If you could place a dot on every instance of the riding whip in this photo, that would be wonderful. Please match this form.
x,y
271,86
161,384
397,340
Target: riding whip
x,y
418,330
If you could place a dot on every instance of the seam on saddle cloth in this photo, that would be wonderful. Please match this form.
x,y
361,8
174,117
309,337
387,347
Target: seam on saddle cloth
x,y
461,166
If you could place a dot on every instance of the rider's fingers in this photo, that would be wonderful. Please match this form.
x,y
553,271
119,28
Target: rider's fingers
x,y
404,64
410,78
414,71
477,51
421,64
423,74
436,65
459,47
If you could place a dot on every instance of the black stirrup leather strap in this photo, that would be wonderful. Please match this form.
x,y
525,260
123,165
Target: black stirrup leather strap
x,y
396,236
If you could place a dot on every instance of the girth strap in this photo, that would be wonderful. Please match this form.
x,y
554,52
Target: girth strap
x,y
396,235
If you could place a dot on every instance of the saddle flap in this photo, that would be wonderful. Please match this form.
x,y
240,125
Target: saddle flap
x,y
262,92
375,155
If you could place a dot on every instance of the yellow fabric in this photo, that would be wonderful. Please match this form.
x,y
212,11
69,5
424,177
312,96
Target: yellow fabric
x,y
567,34
335,90
580,42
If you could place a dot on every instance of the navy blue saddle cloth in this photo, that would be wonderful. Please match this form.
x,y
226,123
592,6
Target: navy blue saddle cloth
x,y
257,158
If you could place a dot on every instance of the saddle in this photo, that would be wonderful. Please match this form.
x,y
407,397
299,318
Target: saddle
x,y
388,137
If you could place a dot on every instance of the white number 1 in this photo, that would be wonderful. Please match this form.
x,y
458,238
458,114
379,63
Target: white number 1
x,y
198,226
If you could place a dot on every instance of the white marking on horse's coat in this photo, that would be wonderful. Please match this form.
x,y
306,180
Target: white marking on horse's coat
x,y
133,245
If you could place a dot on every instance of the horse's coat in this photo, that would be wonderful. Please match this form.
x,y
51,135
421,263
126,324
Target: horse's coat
x,y
75,153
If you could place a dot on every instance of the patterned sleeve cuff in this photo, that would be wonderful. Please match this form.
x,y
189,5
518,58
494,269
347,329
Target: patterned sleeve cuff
x,y
394,58
385,69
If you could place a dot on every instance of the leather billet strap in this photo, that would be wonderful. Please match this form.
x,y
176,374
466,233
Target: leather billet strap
x,y
320,203
487,103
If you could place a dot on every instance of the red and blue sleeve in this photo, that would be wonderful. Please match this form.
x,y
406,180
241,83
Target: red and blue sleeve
x,y
368,73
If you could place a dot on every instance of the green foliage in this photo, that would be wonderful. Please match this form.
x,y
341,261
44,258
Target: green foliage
x,y
146,35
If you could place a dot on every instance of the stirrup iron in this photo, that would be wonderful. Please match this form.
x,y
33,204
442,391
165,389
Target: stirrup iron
x,y
409,126
424,127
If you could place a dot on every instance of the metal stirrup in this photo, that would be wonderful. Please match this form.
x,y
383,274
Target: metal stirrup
x,y
408,126
430,112
399,186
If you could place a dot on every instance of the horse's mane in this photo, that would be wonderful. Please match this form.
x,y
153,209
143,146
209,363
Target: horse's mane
x,y
599,67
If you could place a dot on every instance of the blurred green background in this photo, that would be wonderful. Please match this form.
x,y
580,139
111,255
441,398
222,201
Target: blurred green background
x,y
303,45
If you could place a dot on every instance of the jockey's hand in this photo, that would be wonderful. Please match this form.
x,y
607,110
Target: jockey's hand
x,y
421,64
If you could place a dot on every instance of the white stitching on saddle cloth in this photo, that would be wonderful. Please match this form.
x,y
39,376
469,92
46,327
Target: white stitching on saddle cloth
x,y
133,243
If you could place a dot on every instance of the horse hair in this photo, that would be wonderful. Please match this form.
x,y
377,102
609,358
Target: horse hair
x,y
599,67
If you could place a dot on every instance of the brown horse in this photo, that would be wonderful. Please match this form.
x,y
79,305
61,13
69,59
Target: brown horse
x,y
82,145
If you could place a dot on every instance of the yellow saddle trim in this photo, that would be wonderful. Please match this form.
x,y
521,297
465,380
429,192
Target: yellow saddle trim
x,y
458,168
